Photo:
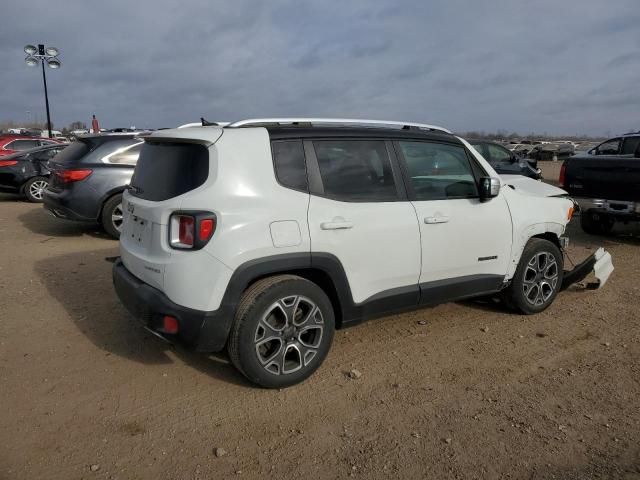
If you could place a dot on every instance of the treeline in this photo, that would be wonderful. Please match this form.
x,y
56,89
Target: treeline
x,y
504,135
77,125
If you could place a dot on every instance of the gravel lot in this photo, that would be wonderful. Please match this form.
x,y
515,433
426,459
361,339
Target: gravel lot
x,y
475,392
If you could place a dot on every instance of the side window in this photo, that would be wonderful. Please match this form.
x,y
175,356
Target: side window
x,y
22,144
610,147
124,156
498,154
356,170
288,160
438,171
629,145
481,149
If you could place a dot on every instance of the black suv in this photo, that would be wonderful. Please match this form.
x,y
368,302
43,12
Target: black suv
x,y
88,179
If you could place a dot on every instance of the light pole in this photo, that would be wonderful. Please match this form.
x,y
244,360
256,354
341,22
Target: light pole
x,y
43,55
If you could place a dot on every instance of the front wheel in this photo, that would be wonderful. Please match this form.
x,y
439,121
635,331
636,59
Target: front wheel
x,y
282,332
112,216
596,223
34,189
538,278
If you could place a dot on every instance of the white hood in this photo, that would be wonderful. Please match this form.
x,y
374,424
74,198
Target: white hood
x,y
531,187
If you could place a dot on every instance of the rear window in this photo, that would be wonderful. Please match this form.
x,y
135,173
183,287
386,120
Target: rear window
x,y
166,170
23,144
74,152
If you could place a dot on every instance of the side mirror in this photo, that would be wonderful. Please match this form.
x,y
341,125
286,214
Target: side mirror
x,y
489,188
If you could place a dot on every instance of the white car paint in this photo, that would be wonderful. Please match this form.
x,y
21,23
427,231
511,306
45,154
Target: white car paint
x,y
382,246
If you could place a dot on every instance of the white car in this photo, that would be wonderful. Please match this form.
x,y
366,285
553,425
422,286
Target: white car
x,y
264,236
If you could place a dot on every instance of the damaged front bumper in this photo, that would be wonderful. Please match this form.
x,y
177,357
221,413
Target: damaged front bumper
x,y
599,263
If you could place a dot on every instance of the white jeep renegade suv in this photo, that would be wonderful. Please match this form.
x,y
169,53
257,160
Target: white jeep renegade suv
x,y
264,236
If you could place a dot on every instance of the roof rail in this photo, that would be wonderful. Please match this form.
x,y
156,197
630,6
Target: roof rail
x,y
336,121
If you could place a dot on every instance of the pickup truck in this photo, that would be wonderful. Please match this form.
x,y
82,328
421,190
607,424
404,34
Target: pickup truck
x,y
606,188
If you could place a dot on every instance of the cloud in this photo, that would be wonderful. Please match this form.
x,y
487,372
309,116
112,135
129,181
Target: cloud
x,y
563,67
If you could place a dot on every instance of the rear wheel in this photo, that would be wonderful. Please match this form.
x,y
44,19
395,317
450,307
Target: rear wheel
x,y
596,223
112,216
538,278
282,331
34,189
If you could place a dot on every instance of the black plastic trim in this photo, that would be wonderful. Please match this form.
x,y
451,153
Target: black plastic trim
x,y
578,273
459,288
330,132
208,331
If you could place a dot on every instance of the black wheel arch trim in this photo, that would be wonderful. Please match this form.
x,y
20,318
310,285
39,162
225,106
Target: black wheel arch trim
x,y
328,272
324,269
107,196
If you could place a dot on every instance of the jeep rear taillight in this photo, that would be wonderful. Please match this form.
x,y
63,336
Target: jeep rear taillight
x,y
563,171
8,163
73,175
191,230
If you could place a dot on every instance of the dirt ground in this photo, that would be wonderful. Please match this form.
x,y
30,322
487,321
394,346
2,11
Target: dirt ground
x,y
476,392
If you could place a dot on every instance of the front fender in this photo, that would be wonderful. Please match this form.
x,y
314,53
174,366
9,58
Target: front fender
x,y
524,235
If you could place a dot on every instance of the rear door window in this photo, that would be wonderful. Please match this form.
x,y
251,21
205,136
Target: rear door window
x,y
610,147
630,145
166,170
356,170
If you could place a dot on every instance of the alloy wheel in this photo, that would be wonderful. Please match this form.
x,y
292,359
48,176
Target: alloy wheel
x,y
116,217
289,335
540,278
36,189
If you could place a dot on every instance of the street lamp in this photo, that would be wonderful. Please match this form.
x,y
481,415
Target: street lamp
x,y
43,55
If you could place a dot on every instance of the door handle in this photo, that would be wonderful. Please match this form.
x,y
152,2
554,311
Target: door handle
x,y
341,225
431,220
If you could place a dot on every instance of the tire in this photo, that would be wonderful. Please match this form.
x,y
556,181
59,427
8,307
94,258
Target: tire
x,y
111,217
270,349
595,223
535,284
34,187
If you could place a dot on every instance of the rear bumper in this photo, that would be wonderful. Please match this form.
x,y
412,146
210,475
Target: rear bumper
x,y
612,208
203,331
60,206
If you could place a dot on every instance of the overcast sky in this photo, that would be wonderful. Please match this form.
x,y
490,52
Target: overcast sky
x,y
561,67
